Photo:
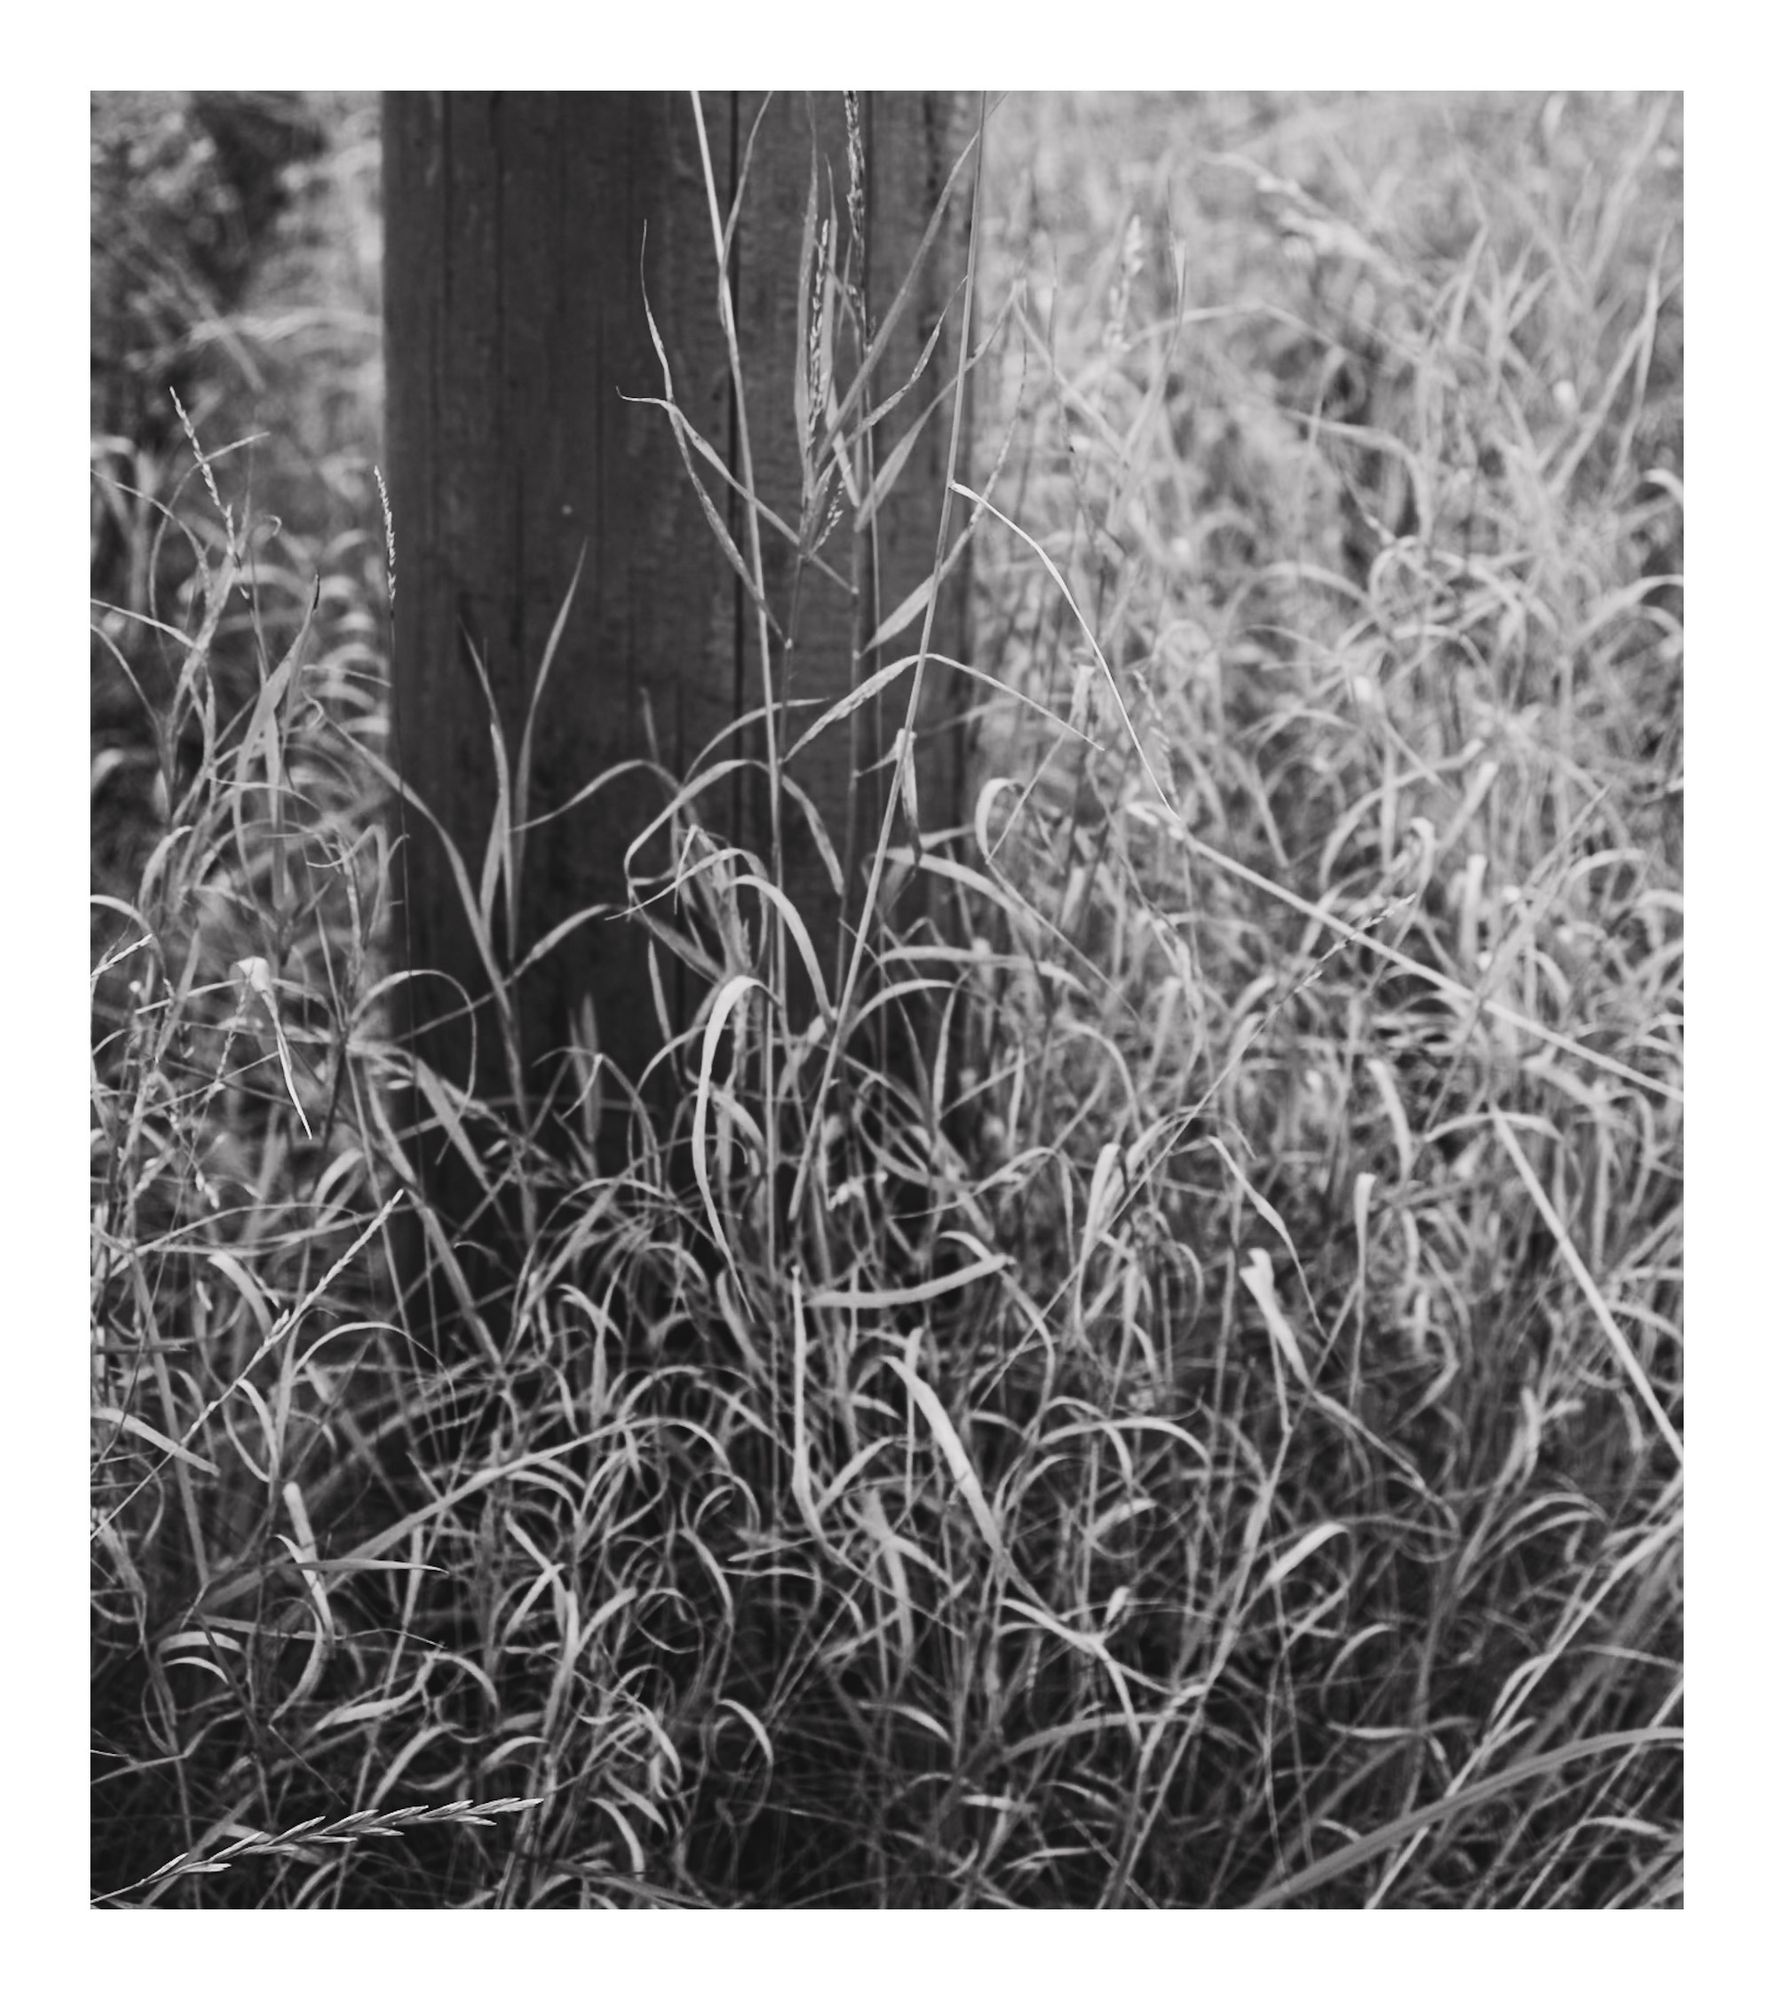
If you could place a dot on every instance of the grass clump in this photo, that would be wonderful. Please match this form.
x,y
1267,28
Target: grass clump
x,y
1202,1431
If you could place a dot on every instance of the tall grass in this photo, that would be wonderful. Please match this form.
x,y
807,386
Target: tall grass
x,y
1206,1432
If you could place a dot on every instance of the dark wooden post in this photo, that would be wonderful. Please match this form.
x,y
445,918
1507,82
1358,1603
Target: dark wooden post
x,y
515,329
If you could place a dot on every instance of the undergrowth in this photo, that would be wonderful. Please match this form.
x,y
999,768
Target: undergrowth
x,y
1204,1433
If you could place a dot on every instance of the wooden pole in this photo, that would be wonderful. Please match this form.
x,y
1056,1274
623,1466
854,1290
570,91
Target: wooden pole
x,y
515,333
